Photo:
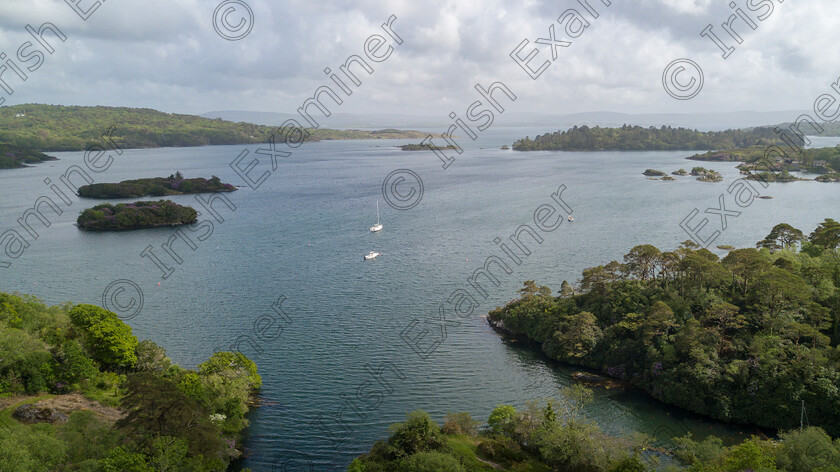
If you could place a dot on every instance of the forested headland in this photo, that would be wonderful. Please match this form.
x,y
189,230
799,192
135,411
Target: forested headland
x,y
175,184
48,128
79,392
749,338
744,339
137,215
12,156
638,138
824,161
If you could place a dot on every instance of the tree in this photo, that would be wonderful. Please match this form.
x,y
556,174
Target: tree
x,y
107,338
746,265
459,423
643,260
502,420
151,357
530,289
418,434
566,290
782,236
777,289
157,407
578,335
827,234
659,321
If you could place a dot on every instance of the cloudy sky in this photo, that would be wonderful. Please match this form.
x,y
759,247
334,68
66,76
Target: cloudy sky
x,y
167,55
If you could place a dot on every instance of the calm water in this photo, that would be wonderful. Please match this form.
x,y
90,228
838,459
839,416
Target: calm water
x,y
302,235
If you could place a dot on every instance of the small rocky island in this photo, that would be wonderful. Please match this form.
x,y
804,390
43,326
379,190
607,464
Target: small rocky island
x,y
175,184
137,215
706,175
702,174
424,147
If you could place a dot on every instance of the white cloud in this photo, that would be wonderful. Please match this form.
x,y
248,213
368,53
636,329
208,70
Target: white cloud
x,y
166,55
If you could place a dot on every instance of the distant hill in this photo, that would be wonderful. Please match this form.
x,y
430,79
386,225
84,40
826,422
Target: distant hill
x,y
702,121
73,128
637,138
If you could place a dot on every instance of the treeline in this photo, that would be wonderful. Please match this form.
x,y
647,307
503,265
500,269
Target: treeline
x,y
554,436
744,339
637,138
175,184
171,418
817,160
12,156
137,215
74,128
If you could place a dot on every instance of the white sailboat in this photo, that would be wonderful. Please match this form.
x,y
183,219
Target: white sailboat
x,y
378,226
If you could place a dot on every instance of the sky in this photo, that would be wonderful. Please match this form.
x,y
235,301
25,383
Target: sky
x,y
168,55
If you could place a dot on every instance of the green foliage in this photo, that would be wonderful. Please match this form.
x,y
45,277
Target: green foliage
x,y
151,357
107,338
157,186
745,339
459,423
13,156
431,462
122,216
75,128
417,434
32,450
177,419
637,138
502,420
123,460
575,445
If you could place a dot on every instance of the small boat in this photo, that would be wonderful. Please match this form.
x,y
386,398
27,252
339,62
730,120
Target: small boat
x,y
378,226
371,255
570,218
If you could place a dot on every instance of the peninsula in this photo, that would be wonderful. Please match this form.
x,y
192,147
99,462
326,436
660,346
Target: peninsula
x,y
45,128
637,138
13,156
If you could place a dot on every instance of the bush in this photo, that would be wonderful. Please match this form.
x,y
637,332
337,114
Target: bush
x,y
431,462
502,450
502,420
808,450
459,423
418,434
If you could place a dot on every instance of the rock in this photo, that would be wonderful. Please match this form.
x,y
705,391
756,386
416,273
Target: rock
x,y
595,380
32,414
653,173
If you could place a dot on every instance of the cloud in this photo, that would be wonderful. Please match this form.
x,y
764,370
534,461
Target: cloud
x,y
167,55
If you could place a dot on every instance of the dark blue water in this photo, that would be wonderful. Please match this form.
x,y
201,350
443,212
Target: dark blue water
x,y
302,236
